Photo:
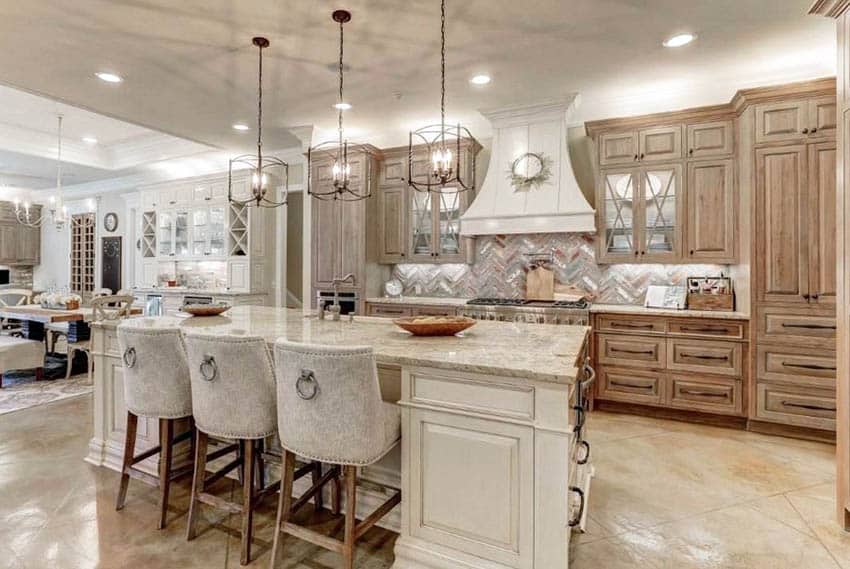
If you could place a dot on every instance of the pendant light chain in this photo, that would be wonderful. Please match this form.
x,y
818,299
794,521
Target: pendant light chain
x,y
59,162
260,113
443,68
341,79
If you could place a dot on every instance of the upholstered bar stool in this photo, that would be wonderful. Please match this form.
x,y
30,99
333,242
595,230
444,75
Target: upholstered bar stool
x,y
233,398
156,385
330,409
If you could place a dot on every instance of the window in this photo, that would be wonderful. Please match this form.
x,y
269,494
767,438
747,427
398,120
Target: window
x,y
82,255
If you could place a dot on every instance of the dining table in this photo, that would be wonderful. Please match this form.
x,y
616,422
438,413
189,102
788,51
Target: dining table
x,y
34,317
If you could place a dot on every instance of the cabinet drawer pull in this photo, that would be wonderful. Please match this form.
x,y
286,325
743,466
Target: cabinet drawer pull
x,y
638,352
702,357
635,326
807,406
706,330
577,520
700,393
809,326
621,384
810,366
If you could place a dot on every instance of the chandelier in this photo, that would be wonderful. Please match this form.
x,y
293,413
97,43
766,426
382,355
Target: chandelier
x,y
340,187
266,171
439,140
57,211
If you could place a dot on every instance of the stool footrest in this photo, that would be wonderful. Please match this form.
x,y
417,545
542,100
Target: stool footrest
x,y
317,487
213,478
376,516
218,503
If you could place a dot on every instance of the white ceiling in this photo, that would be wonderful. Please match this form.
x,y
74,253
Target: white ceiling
x,y
190,69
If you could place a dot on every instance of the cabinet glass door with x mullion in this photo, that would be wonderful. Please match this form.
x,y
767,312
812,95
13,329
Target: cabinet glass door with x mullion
x,y
617,204
660,213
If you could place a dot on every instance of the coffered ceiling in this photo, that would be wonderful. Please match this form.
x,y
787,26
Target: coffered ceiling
x,y
190,71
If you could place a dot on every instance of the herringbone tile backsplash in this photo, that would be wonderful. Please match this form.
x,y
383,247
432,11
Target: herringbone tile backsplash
x,y
501,264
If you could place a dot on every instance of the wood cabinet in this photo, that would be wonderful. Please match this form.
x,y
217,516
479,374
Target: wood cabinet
x,y
392,237
710,139
821,202
795,120
8,244
655,144
398,310
711,204
676,362
19,244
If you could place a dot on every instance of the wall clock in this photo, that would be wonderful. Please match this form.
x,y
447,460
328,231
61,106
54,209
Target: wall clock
x,y
110,222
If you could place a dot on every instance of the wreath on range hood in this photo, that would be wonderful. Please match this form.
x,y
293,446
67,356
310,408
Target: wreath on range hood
x,y
529,171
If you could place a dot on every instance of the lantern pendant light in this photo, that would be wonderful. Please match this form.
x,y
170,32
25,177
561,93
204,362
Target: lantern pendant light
x,y
341,187
441,141
267,172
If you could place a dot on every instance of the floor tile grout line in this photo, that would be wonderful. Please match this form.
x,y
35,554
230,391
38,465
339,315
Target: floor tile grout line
x,y
815,533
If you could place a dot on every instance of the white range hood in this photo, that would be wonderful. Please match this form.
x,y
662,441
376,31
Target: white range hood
x,y
554,206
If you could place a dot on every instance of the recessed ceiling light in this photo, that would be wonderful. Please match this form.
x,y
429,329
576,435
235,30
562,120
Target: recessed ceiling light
x,y
679,40
109,77
240,126
480,79
89,140
342,106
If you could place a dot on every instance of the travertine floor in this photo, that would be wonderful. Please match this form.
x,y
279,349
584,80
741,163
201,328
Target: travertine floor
x,y
667,495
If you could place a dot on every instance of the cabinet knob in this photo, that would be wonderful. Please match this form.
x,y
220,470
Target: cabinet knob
x,y
643,252
814,130
806,296
815,296
642,155
636,157
637,253
691,152
692,251
805,131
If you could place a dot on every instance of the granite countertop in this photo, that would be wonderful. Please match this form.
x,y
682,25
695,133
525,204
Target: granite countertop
x,y
418,300
190,291
642,310
540,352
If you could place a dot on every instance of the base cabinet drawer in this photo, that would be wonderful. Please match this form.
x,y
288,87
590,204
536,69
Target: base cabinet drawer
x,y
631,351
794,365
710,395
432,311
705,356
702,329
631,386
388,311
786,326
629,324
802,407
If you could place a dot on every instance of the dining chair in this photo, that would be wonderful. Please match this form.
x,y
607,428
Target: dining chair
x,y
111,307
13,297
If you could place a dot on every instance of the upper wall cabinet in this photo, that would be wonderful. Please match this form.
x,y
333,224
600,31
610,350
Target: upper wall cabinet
x,y
711,205
710,139
795,121
654,144
19,244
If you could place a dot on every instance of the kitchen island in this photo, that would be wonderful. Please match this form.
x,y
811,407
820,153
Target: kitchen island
x,y
488,459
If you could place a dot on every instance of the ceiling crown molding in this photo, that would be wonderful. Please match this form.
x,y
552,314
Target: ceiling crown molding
x,y
829,8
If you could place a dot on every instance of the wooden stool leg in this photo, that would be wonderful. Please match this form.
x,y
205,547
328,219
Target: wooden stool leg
x,y
316,475
350,520
197,482
249,464
1,380
166,438
129,450
336,495
39,373
70,363
261,464
284,505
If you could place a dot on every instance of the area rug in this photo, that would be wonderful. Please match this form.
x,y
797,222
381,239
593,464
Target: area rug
x,y
21,390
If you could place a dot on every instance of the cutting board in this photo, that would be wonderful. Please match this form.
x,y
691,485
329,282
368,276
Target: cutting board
x,y
540,284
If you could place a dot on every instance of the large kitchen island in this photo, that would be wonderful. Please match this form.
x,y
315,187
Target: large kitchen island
x,y
493,469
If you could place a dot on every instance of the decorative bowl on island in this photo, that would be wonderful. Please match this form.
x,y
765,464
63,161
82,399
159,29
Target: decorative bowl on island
x,y
434,325
205,309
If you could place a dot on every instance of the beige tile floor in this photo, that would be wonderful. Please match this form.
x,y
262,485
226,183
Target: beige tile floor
x,y
667,495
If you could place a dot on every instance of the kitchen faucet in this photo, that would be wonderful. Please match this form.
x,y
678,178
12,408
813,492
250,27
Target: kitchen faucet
x,y
335,308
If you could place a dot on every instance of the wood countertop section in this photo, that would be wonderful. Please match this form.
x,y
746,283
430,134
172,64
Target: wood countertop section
x,y
537,352
636,310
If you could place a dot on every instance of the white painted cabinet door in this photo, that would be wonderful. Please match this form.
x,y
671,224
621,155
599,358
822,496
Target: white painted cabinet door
x,y
149,273
239,276
472,486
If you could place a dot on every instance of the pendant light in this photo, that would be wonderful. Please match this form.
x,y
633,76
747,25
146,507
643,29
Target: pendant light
x,y
57,213
441,141
266,171
338,150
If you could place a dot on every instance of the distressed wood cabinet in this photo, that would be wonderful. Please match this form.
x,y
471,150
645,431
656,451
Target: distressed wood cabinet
x,y
19,244
796,120
655,144
710,139
711,205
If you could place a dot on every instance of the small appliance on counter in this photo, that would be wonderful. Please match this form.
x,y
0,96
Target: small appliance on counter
x,y
711,293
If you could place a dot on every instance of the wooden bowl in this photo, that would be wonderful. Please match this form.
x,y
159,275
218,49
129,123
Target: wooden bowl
x,y
434,325
205,309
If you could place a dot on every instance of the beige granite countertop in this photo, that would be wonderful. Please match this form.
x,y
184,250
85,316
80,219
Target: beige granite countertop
x,y
641,310
540,352
418,300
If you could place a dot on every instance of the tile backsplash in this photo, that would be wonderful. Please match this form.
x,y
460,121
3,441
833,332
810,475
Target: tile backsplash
x,y
19,277
501,264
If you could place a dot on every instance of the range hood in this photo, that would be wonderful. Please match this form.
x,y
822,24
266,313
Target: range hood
x,y
555,205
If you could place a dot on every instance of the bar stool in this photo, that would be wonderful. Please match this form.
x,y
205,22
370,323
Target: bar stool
x,y
330,410
233,397
156,385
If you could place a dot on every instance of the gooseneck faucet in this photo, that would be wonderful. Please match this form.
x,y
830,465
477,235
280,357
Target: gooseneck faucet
x,y
335,308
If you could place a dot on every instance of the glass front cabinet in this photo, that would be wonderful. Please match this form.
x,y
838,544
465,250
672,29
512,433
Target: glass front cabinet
x,y
640,214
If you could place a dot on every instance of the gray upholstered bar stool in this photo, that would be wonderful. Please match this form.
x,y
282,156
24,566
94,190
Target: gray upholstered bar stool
x,y
233,398
330,409
156,385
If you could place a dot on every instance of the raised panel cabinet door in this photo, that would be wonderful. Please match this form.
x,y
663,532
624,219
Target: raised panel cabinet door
x,y
658,144
618,148
616,205
326,233
393,170
711,206
781,232
660,214
28,245
821,207
392,231
823,117
351,258
239,276
781,122
710,139
8,243
149,273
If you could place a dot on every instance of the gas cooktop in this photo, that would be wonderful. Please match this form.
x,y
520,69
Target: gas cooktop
x,y
575,304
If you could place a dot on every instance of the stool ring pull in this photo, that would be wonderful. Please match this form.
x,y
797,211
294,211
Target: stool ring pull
x,y
306,385
208,368
129,357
